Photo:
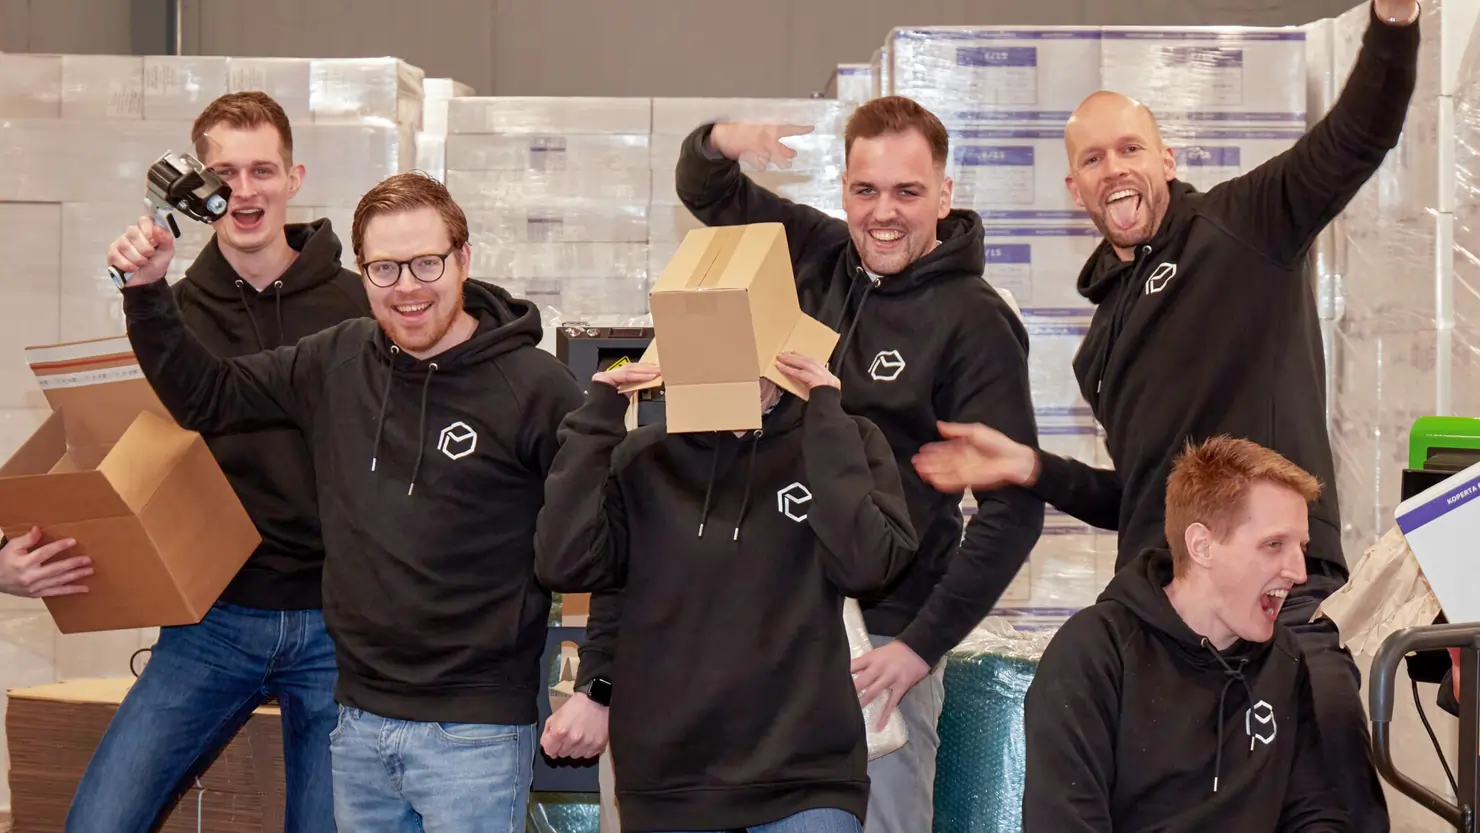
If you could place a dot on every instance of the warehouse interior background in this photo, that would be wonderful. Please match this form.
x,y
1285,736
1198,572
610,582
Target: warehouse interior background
x,y
1397,276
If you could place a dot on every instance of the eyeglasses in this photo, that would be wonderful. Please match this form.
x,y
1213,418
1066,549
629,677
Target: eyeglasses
x,y
425,268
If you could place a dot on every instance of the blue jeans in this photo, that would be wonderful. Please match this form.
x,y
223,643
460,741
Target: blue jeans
x,y
199,687
396,775
813,821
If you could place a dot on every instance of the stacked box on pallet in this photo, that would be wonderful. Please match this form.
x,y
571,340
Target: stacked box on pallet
x,y
556,191
1005,93
431,140
77,134
814,176
853,82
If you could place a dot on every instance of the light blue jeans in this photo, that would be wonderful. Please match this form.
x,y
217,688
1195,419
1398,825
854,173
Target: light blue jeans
x,y
395,776
813,821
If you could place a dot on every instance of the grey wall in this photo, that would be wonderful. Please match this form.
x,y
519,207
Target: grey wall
x,y
587,47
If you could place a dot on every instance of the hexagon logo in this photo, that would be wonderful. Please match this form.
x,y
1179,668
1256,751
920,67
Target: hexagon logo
x,y
789,501
457,440
886,366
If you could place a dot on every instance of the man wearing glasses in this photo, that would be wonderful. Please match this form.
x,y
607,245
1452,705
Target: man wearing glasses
x,y
432,429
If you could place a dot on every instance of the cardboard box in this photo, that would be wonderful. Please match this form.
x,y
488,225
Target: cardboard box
x,y
143,497
724,308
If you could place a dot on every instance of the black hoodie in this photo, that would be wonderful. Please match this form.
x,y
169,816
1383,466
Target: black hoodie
x,y
430,477
271,470
1135,723
932,343
1213,329
733,704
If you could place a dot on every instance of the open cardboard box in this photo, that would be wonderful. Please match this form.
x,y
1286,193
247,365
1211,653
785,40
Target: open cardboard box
x,y
724,308
143,497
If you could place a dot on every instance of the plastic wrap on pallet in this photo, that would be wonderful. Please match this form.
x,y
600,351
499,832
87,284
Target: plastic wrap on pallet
x,y
822,189
539,115
614,261
1465,292
500,189
855,82
436,93
102,87
375,91
287,80
679,116
981,764
75,160
573,223
431,155
971,75
554,152
564,813
1055,333
879,81
31,235
816,152
1209,154
1039,265
30,86
348,159
178,88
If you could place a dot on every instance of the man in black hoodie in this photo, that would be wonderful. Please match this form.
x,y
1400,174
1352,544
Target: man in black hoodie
x,y
259,283
1205,323
925,339
735,708
1178,703
431,430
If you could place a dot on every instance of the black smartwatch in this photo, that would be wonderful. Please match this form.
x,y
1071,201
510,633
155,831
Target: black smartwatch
x,y
599,690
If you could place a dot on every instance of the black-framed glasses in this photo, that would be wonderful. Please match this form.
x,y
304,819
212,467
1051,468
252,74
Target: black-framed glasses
x,y
425,268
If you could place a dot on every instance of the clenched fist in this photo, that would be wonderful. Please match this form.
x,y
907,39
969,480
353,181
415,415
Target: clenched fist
x,y
145,250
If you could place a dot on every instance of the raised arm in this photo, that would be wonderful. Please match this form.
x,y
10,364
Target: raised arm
x,y
581,532
1076,488
1282,205
711,185
201,391
1070,717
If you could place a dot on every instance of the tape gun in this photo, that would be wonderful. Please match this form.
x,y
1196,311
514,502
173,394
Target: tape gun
x,y
179,182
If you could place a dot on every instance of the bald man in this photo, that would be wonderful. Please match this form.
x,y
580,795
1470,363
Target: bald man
x,y
1205,324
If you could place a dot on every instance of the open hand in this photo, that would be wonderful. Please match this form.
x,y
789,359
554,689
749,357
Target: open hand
x,y
628,374
893,668
576,730
975,456
806,371
27,570
757,145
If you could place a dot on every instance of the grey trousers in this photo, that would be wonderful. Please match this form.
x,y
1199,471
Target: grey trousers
x,y
902,793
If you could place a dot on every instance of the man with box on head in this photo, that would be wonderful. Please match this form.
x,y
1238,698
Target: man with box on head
x,y
924,339
734,531
1179,702
1172,355
431,429
259,283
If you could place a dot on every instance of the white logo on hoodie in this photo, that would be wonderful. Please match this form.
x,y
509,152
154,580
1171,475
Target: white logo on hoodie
x,y
1160,277
1263,713
886,366
457,440
790,499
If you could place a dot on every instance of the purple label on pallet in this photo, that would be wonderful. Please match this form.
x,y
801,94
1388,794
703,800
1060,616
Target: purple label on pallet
x,y
997,56
1200,156
994,155
1009,253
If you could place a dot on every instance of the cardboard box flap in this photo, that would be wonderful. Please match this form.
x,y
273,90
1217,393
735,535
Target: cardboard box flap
x,y
47,500
96,386
143,457
810,338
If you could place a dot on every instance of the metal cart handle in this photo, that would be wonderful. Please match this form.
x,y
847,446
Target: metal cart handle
x,y
1380,702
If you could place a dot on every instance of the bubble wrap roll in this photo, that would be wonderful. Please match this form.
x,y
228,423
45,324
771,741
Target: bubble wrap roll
x,y
563,813
894,735
981,763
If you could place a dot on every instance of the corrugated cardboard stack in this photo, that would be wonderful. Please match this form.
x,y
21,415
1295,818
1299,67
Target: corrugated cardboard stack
x,y
1225,104
77,133
556,192
53,730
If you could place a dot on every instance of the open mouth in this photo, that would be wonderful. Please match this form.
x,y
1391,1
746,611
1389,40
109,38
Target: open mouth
x,y
1271,602
1124,207
412,311
886,238
247,218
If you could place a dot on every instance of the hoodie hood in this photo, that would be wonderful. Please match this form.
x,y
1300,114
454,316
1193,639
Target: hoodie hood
x,y
318,263
505,324
1104,269
1141,588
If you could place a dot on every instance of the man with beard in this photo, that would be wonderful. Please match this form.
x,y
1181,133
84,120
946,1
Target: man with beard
x,y
260,282
1205,324
432,429
925,339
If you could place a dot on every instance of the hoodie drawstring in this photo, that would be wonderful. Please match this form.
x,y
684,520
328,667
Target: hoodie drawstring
x,y
247,305
749,470
1234,676
709,490
421,431
842,349
385,400
277,302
